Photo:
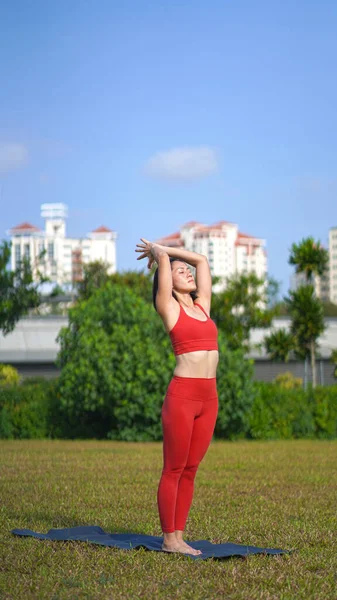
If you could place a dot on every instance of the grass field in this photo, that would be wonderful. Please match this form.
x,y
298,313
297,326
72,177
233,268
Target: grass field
x,y
271,494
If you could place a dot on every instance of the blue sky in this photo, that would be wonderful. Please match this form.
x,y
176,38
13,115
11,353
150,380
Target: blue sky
x,y
101,103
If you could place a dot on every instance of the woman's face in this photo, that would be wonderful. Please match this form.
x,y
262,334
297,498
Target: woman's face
x,y
182,278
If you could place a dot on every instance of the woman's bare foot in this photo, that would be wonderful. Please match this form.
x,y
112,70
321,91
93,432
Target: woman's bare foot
x,y
179,538
189,548
173,542
179,546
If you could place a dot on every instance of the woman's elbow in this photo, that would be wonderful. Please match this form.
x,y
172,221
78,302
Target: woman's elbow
x,y
202,258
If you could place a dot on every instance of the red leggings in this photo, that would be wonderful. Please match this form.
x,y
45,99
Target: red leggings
x,y
189,414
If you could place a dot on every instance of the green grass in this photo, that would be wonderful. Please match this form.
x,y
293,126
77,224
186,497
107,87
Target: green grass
x,y
271,494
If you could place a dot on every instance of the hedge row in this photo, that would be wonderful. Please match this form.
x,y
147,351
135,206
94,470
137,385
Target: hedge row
x,y
116,361
33,410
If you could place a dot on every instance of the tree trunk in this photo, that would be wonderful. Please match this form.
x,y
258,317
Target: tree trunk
x,y
313,363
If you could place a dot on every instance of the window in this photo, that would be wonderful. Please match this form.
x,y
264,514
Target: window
x,y
27,251
17,254
51,250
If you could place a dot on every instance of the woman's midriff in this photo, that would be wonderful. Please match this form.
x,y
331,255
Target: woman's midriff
x,y
202,363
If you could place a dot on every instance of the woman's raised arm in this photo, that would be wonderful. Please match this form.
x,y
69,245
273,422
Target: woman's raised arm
x,y
203,273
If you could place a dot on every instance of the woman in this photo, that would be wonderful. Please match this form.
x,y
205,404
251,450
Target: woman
x,y
190,407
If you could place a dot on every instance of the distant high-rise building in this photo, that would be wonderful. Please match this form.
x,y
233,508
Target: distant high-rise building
x,y
333,264
320,283
64,257
326,284
228,250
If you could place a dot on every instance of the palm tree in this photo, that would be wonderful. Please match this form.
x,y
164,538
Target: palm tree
x,y
242,306
307,315
280,344
309,257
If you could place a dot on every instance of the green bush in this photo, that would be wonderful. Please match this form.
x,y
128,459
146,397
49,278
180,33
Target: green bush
x,y
25,410
116,363
288,381
8,375
280,413
324,404
235,390
259,411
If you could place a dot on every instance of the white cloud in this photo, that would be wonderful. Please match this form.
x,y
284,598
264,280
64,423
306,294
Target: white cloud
x,y
12,156
183,164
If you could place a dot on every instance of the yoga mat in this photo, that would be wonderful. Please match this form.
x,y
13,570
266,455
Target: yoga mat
x,y
129,541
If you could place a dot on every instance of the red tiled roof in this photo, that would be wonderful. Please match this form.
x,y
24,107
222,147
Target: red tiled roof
x,y
25,227
220,223
244,240
172,236
172,239
169,241
214,227
210,230
190,224
246,235
102,229
204,228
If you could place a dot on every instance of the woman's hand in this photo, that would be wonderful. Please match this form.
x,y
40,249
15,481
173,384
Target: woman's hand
x,y
146,249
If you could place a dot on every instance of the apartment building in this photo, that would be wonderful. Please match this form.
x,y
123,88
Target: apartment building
x,y
228,250
64,256
333,264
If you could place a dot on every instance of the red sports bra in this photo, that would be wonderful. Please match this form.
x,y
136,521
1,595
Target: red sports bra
x,y
190,334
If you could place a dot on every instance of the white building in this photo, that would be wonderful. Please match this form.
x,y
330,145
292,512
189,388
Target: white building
x,y
320,283
228,250
64,257
333,264
325,285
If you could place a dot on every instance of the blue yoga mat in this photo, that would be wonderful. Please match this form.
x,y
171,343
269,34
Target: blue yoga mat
x,y
129,541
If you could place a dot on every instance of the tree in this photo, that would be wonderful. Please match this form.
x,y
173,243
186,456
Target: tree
x,y
57,291
242,306
309,257
333,359
139,282
280,345
305,309
307,316
116,361
18,291
329,308
95,275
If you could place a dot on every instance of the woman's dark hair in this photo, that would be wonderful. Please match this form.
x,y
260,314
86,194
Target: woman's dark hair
x,y
155,285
